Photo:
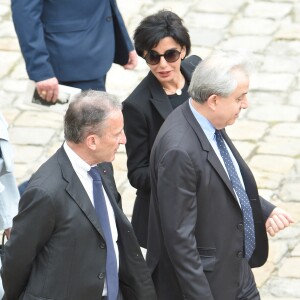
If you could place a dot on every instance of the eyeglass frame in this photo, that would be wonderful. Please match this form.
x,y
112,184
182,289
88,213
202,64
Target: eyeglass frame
x,y
160,55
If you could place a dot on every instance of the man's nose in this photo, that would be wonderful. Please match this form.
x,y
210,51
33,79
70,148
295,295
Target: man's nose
x,y
123,139
245,103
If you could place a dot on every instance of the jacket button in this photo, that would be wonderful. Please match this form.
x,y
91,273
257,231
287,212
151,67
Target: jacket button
x,y
239,254
101,275
108,19
102,246
240,226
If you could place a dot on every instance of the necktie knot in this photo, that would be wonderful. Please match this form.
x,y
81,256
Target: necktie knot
x,y
218,135
94,173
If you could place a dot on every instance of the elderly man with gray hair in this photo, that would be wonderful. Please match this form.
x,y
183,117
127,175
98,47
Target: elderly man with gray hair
x,y
208,225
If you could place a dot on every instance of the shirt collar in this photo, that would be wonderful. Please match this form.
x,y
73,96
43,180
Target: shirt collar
x,y
79,165
206,126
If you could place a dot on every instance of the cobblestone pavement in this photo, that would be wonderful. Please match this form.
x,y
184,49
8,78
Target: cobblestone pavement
x,y
267,134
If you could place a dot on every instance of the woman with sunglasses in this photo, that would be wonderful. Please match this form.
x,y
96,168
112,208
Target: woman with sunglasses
x,y
163,41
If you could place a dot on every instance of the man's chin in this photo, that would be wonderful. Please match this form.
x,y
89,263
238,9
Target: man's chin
x,y
231,122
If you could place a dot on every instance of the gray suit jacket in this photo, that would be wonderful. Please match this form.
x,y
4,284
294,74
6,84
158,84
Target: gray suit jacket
x,y
195,236
57,249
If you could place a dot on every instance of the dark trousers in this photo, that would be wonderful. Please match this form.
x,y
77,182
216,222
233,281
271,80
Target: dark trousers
x,y
247,289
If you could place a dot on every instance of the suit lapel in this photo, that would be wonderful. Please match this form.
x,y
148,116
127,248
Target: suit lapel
x,y
159,98
211,155
76,190
109,188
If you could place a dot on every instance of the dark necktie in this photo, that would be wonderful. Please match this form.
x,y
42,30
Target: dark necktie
x,y
243,197
112,279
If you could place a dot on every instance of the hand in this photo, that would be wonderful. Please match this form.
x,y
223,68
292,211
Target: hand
x,y
48,89
278,220
132,61
7,232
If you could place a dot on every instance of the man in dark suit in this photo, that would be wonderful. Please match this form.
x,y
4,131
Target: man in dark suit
x,y
208,225
71,42
59,248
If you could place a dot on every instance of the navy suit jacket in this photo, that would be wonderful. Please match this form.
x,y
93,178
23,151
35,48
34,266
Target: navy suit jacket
x,y
72,40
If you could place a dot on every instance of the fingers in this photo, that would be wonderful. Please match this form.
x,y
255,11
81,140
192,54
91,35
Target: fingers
x,y
276,223
55,92
278,220
49,96
289,217
129,66
132,61
284,220
271,231
48,89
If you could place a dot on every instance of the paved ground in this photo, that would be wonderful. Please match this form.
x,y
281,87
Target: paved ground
x,y
268,133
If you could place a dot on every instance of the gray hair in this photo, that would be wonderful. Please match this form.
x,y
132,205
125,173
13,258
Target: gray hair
x,y
87,113
214,75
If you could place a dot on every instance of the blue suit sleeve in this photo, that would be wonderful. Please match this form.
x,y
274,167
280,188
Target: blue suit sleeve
x,y
123,42
26,16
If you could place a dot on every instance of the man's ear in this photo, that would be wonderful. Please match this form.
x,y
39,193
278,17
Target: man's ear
x,y
91,141
212,102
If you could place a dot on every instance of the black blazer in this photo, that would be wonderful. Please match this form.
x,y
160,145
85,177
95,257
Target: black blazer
x,y
144,112
57,248
195,237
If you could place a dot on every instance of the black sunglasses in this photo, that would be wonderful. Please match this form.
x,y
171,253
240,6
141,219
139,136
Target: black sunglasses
x,y
153,58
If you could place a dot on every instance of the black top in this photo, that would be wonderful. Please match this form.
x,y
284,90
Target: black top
x,y
177,100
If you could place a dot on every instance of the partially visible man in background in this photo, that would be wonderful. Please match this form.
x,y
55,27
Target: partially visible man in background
x,y
71,42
